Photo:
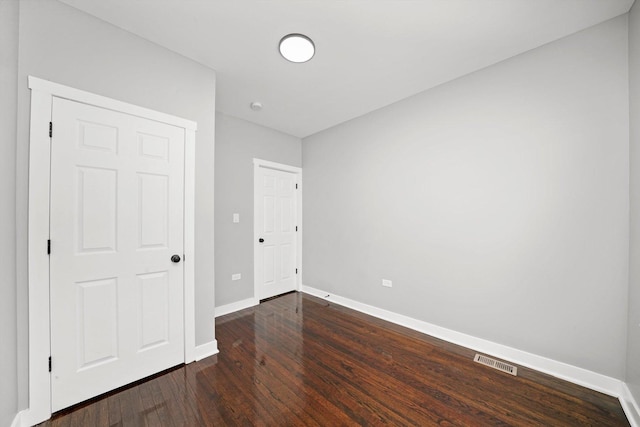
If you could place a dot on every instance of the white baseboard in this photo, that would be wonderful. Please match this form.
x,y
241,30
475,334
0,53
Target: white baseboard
x,y
630,406
18,420
206,350
235,306
574,374
30,417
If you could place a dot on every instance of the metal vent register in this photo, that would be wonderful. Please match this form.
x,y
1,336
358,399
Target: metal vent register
x,y
496,364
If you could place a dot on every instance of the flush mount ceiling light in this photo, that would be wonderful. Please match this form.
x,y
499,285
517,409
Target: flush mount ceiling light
x,y
297,48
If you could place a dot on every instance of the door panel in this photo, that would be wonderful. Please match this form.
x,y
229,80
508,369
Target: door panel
x,y
152,196
117,185
97,322
96,198
287,257
276,214
153,310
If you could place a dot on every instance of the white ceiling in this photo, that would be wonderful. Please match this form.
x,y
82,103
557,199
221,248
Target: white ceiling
x,y
369,53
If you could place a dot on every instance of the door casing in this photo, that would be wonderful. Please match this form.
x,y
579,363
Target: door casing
x,y
257,164
42,94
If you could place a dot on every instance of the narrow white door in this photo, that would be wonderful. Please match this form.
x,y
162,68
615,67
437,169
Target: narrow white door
x,y
275,264
117,185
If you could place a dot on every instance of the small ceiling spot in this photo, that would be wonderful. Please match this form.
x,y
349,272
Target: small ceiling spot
x,y
256,106
297,48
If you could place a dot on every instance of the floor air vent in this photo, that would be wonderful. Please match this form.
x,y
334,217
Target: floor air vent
x,y
496,364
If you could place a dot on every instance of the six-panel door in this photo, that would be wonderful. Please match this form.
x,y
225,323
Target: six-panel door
x,y
117,185
276,211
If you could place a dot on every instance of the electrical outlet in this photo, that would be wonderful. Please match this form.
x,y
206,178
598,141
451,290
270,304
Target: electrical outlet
x,y
236,276
387,283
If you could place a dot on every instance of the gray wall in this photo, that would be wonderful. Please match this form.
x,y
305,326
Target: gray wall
x,y
238,142
8,328
496,203
64,45
633,344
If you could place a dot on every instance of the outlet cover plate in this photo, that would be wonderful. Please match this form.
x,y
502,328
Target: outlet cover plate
x,y
387,283
236,276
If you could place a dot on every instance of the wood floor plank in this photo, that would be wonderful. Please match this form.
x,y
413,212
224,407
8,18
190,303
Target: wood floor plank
x,y
400,375
282,366
160,401
131,414
115,415
424,400
298,360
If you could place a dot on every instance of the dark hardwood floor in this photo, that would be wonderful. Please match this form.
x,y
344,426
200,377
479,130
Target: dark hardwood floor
x,y
303,361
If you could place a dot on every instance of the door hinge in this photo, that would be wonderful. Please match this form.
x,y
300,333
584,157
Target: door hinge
x,y
296,185
48,247
296,228
49,363
50,129
296,271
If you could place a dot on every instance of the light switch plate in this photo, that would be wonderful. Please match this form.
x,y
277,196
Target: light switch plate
x,y
236,276
387,283
236,218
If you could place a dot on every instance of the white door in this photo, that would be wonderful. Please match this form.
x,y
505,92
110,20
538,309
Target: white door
x,y
117,185
275,264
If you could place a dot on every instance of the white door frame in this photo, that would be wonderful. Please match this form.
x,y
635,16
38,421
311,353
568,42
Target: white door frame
x,y
257,164
42,94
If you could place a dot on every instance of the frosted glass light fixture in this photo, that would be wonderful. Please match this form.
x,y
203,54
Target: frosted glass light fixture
x,y
297,48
